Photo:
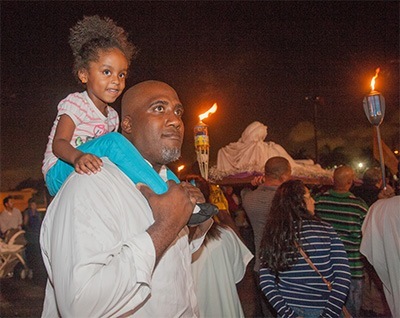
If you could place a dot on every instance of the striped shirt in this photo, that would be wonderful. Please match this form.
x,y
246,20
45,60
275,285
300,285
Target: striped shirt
x,y
300,286
346,213
89,123
257,204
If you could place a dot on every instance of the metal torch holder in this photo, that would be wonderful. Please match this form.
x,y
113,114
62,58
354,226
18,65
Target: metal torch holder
x,y
202,146
374,108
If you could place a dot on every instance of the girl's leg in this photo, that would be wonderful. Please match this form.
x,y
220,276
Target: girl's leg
x,y
122,153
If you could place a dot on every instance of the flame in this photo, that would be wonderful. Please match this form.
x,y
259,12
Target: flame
x,y
373,79
212,110
181,167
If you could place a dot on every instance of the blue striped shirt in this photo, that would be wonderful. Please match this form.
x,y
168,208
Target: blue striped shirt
x,y
300,286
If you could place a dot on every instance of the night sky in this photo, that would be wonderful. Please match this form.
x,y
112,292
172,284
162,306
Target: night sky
x,y
257,60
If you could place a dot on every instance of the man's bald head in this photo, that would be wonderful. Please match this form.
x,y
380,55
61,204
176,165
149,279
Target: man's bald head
x,y
343,178
152,121
135,95
277,168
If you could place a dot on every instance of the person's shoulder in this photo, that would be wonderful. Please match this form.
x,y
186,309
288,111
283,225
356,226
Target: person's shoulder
x,y
90,190
393,202
15,210
321,195
358,200
245,191
112,111
108,172
320,225
74,97
75,106
315,222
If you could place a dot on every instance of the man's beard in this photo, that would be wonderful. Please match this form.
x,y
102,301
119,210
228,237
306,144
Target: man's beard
x,y
170,154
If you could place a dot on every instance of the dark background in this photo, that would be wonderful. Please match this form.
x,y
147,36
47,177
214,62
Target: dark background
x,y
258,60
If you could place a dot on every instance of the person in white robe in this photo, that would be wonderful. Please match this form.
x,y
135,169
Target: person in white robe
x,y
381,246
217,267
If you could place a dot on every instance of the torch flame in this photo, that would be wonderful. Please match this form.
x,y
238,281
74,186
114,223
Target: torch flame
x,y
373,79
212,110
181,167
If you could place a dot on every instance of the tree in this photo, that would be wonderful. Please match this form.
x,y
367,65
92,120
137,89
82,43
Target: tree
x,y
299,154
332,157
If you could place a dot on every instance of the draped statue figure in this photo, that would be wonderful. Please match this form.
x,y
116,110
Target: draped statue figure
x,y
251,151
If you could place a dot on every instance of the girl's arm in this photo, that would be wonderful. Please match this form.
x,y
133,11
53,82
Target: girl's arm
x,y
83,162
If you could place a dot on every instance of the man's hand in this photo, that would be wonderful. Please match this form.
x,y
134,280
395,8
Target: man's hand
x,y
388,192
194,192
171,211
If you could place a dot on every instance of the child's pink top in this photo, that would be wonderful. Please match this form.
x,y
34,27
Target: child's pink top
x,y
89,121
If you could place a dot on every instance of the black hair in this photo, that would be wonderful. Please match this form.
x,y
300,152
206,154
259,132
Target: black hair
x,y
93,34
6,199
283,226
372,176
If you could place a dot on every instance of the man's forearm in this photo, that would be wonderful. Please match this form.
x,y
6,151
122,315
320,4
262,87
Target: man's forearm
x,y
162,234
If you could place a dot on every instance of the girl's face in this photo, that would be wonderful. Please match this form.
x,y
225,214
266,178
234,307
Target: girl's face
x,y
105,78
308,199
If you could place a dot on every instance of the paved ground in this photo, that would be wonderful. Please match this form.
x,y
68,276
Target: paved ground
x,y
24,298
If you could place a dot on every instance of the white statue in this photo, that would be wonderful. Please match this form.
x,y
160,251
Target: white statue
x,y
251,151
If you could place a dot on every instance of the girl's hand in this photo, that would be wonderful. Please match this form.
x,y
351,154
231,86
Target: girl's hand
x,y
87,163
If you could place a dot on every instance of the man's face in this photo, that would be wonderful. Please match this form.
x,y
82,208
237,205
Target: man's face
x,y
10,204
155,113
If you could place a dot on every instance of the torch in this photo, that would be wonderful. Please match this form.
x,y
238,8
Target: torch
x,y
202,142
374,108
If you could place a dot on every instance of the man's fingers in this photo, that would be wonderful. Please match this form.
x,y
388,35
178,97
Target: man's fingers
x,y
196,196
170,183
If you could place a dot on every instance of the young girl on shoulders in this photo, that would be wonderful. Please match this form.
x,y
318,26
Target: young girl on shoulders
x,y
102,55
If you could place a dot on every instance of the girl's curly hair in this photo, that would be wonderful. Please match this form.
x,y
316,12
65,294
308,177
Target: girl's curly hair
x,y
92,34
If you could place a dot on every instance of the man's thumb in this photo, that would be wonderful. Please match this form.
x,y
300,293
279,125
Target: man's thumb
x,y
145,190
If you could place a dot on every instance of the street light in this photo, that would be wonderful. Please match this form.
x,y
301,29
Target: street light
x,y
316,100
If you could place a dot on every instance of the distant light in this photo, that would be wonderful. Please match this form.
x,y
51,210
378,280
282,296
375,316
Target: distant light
x,y
360,165
181,167
396,152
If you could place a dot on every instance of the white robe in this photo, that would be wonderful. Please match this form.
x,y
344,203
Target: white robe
x,y
381,246
217,267
100,259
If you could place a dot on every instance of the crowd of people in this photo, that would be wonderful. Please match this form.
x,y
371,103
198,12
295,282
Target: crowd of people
x,y
124,236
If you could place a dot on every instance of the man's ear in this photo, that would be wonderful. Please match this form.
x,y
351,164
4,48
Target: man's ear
x,y
83,75
126,124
